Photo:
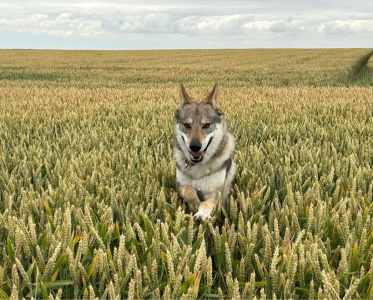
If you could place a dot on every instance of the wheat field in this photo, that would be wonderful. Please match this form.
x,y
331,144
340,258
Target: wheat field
x,y
88,202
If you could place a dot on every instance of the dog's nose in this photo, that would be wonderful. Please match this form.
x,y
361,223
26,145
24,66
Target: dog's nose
x,y
195,146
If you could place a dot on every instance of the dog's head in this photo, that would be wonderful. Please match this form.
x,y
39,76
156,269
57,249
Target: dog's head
x,y
197,125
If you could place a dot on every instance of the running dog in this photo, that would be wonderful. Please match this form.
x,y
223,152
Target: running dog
x,y
203,154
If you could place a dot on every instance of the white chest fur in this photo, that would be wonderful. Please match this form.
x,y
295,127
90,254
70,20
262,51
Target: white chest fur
x,y
207,185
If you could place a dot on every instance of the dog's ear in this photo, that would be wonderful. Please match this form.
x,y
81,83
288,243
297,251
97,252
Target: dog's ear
x,y
184,97
212,98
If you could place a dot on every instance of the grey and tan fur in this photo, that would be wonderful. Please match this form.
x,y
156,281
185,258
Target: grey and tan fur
x,y
203,153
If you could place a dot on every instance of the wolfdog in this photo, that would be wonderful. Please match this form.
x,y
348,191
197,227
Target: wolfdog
x,y
203,154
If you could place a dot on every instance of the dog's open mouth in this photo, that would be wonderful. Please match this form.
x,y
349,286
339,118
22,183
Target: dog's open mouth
x,y
197,157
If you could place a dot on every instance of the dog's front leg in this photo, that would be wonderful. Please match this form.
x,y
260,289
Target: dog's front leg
x,y
190,196
205,209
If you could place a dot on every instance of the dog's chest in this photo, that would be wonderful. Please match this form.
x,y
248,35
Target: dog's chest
x,y
205,184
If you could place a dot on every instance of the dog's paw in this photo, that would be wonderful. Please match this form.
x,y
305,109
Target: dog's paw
x,y
202,215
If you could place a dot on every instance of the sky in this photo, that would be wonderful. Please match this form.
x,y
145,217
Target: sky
x,y
188,24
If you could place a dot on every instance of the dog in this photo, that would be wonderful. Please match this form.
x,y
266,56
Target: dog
x,y
203,154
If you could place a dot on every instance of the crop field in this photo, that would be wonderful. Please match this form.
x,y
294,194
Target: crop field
x,y
88,200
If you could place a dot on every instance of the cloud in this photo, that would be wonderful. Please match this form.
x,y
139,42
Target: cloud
x,y
64,24
337,28
213,25
347,27
279,26
199,20
153,23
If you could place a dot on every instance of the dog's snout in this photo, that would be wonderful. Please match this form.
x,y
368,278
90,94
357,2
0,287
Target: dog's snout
x,y
195,146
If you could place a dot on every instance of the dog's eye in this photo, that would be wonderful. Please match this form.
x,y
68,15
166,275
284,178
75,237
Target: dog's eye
x,y
186,125
207,125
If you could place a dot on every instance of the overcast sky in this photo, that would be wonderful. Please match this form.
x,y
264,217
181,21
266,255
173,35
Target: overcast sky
x,y
115,24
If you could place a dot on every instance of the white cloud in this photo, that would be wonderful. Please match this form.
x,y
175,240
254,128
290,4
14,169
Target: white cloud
x,y
64,24
212,25
279,26
348,27
237,23
154,23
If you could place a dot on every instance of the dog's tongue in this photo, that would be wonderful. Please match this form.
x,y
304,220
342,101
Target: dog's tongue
x,y
198,154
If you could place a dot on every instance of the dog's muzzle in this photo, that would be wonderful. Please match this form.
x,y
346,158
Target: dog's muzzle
x,y
197,156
